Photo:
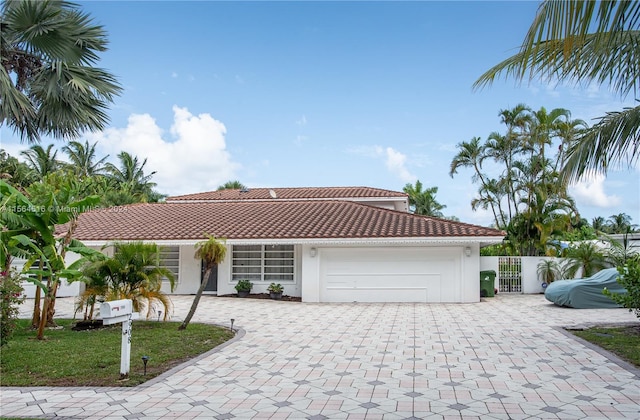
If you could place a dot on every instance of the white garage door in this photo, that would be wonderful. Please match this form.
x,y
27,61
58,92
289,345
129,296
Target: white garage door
x,y
390,275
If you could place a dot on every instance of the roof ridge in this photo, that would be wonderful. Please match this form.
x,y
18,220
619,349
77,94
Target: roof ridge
x,y
360,187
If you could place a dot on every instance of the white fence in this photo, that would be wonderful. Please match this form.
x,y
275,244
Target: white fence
x,y
531,282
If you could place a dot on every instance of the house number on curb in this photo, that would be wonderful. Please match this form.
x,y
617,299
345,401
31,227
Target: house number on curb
x,y
121,311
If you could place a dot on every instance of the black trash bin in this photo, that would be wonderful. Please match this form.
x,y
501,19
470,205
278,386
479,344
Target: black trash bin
x,y
487,283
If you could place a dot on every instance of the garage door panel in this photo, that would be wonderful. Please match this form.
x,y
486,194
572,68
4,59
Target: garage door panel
x,y
387,275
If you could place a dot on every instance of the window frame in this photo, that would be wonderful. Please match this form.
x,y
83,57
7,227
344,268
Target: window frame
x,y
163,251
259,273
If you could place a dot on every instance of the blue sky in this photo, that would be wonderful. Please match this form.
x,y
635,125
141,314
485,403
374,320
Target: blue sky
x,y
294,94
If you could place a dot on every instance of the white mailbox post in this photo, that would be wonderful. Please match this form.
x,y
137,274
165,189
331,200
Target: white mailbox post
x,y
114,312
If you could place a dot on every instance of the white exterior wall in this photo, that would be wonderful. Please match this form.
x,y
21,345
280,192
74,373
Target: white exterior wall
x,y
188,274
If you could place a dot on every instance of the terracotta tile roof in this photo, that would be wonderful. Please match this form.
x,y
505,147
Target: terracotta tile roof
x,y
291,194
275,219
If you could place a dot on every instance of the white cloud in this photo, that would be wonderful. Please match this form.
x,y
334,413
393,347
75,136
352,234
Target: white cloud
x,y
396,163
591,193
302,121
174,75
194,159
394,160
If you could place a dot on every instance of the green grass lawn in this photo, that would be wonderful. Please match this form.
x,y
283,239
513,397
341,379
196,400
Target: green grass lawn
x,y
92,357
622,341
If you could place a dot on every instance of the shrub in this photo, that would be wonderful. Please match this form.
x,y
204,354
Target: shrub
x,y
11,295
548,270
275,288
244,286
630,279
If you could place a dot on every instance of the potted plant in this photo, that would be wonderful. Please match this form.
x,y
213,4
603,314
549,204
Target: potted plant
x,y
275,291
243,287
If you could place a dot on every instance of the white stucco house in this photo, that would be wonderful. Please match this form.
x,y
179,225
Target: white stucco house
x,y
336,244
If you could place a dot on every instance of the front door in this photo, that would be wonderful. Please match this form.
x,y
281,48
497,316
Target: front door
x,y
212,286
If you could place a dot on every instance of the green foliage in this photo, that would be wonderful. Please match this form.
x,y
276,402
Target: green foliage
x,y
11,295
587,258
130,178
623,341
232,185
584,42
49,82
212,251
630,279
620,252
548,270
17,173
244,286
496,250
423,202
275,288
82,157
134,272
527,199
582,233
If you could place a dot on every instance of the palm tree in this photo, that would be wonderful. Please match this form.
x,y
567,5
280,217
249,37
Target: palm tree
x,y
619,253
587,257
130,176
232,185
503,149
42,162
619,223
48,82
211,252
471,155
580,42
423,202
599,225
490,195
82,157
548,270
544,127
568,132
19,174
134,272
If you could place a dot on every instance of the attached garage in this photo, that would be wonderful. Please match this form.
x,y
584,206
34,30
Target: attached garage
x,y
390,274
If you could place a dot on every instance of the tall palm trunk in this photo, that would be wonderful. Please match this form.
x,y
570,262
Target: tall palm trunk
x,y
196,299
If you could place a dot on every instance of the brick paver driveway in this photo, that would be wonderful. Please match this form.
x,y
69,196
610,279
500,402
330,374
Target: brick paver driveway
x,y
501,358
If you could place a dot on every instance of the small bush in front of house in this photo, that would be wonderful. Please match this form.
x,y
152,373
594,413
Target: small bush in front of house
x,y
244,286
11,295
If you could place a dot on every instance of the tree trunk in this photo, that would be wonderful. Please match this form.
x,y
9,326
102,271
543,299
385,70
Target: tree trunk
x,y
196,299
47,308
35,318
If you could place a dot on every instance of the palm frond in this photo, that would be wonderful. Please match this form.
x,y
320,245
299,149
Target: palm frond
x,y
613,142
578,42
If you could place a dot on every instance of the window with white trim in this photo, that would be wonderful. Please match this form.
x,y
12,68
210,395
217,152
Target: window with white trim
x,y
263,263
170,259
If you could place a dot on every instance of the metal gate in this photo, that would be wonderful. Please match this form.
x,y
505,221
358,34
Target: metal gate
x,y
510,274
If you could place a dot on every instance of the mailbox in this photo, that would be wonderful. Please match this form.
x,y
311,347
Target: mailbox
x,y
116,312
116,308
